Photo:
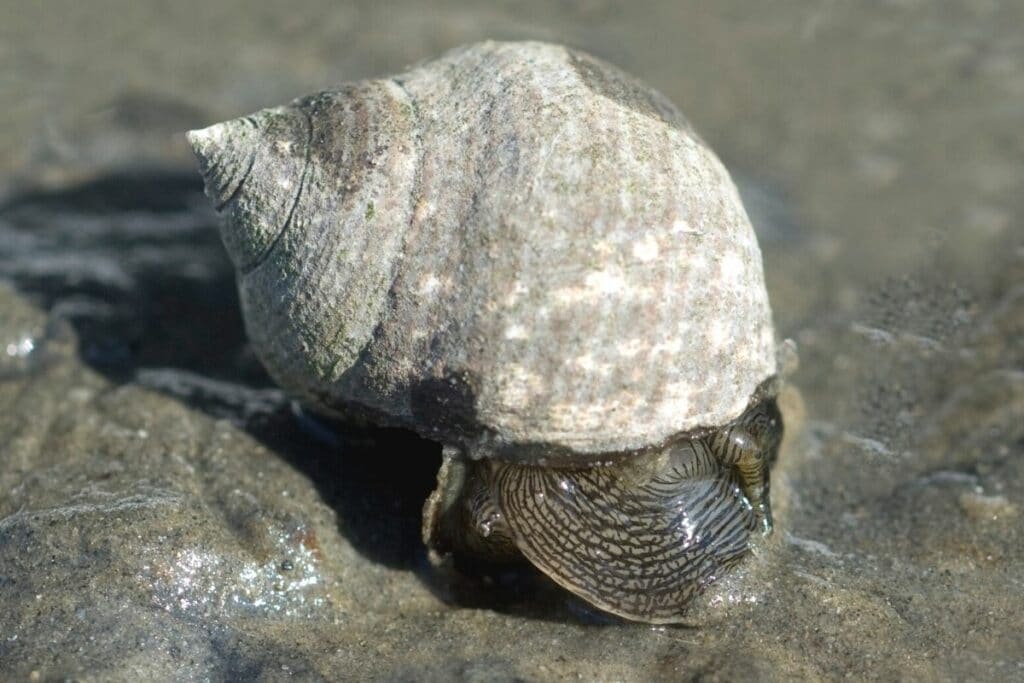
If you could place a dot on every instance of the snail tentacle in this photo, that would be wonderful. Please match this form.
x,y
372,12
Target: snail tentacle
x,y
750,445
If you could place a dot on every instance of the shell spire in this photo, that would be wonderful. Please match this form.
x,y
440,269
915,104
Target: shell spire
x,y
252,167
225,152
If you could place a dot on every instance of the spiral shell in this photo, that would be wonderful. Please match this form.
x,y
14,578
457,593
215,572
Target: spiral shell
x,y
516,247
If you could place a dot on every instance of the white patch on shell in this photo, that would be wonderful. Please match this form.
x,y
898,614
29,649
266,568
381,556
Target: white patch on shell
x,y
682,227
587,364
519,386
646,249
732,269
516,332
603,247
718,335
605,281
670,346
698,262
428,285
632,347
676,401
600,285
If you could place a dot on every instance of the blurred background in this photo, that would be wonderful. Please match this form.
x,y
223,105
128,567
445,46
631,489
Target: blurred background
x,y
879,148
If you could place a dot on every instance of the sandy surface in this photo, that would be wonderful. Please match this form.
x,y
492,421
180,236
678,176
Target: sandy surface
x,y
166,513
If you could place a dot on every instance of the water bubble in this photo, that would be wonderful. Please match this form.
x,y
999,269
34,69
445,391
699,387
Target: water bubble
x,y
567,485
742,441
21,348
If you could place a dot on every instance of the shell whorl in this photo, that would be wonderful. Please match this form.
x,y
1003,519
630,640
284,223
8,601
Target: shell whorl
x,y
515,244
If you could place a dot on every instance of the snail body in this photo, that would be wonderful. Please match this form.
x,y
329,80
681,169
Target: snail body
x,y
521,252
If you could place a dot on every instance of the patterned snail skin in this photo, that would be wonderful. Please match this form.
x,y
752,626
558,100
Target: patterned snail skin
x,y
640,539
521,252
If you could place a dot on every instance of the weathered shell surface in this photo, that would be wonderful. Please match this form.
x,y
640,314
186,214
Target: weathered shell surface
x,y
516,244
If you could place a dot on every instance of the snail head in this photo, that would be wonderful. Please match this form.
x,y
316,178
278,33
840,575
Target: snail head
x,y
640,537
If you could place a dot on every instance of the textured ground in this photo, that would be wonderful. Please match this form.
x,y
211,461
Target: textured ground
x,y
165,513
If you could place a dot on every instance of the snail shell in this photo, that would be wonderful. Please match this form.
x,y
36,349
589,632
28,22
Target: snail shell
x,y
516,250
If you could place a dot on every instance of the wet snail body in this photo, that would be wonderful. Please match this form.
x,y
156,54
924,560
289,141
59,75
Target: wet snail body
x,y
524,254
639,537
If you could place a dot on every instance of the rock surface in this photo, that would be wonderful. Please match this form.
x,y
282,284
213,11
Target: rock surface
x,y
165,513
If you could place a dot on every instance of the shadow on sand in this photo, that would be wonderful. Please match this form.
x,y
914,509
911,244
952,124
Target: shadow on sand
x,y
134,262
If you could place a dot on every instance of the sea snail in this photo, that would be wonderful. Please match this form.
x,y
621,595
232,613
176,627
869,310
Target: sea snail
x,y
524,254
